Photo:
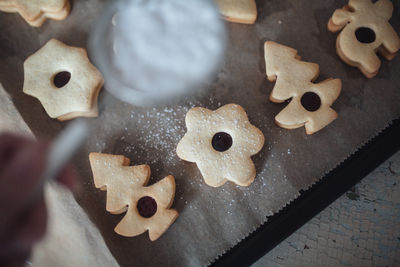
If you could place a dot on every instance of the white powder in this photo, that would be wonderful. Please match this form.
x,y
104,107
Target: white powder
x,y
156,49
160,129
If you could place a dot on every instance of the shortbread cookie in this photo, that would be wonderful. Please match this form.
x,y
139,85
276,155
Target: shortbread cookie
x,y
366,31
64,81
221,143
61,15
146,207
241,11
35,12
310,102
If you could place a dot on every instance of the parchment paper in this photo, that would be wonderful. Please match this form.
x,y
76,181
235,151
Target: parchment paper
x,y
214,219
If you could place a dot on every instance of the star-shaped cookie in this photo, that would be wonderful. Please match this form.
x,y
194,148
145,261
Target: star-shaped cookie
x,y
64,81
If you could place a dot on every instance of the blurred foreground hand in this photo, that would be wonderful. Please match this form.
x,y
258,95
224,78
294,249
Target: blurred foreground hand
x,y
22,216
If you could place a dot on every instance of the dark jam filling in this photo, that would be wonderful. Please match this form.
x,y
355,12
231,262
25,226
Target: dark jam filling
x,y
311,101
221,141
365,35
61,79
147,206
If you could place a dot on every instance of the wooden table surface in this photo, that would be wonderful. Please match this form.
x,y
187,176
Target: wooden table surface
x,y
361,228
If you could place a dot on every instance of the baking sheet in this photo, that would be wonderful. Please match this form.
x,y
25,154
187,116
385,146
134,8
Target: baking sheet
x,y
213,219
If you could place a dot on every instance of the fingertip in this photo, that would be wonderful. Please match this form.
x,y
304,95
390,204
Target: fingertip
x,y
68,178
29,228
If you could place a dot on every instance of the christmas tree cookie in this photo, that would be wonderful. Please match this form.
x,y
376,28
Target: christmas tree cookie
x,y
146,207
310,102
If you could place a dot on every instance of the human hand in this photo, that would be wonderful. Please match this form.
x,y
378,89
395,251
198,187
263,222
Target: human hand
x,y
22,216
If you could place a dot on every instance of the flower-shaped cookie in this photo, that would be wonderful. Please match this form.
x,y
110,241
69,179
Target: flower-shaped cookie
x,y
64,81
35,12
221,143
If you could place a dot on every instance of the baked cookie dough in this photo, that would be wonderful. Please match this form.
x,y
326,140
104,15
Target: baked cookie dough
x,y
35,12
147,207
365,31
240,11
221,143
310,102
64,81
